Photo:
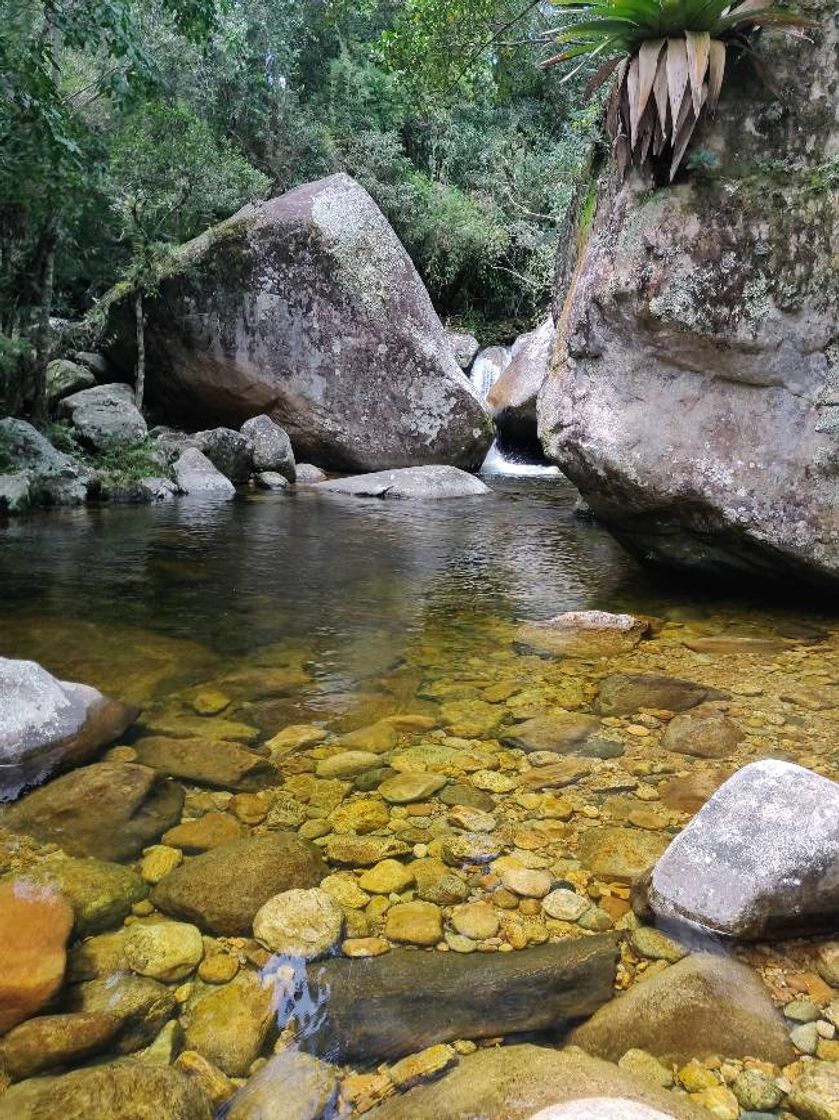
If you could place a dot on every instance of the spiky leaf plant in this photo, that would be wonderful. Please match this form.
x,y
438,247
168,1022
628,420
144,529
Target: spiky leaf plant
x,y
669,58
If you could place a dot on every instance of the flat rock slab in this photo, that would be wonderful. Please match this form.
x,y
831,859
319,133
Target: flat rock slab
x,y
207,762
623,694
705,1005
759,859
517,1082
424,483
388,1006
557,731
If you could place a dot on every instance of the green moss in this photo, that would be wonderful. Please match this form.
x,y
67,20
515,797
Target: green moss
x,y
588,209
127,463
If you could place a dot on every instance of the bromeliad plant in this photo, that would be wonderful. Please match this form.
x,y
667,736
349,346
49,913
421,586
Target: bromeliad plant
x,y
669,58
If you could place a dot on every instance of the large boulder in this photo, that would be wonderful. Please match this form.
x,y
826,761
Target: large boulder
x,y
230,452
47,725
384,1007
40,473
272,449
696,403
758,860
65,377
512,398
105,416
196,475
307,308
425,483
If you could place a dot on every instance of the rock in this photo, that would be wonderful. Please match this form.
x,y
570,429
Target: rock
x,y
587,634
705,1005
306,474
291,1086
55,1040
565,905
363,851
213,830
126,1090
221,764
815,1094
230,452
758,860
738,644
516,1082
755,1091
230,1025
223,889
424,1066
392,1005
216,1085
647,1067
271,447
512,398
388,877
167,951
362,816
529,884
438,883
703,734
41,474
64,377
465,347
426,482
689,793
347,764
100,893
105,416
620,853
557,775
141,1004
470,847
682,299
110,810
623,695
195,474
417,923
558,732
15,491
100,955
299,923
35,923
464,793
476,920
655,945
159,860
96,363
349,355
271,480
48,725
406,787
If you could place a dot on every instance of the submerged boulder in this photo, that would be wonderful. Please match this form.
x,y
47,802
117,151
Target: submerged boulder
x,y
696,403
308,309
584,634
47,725
426,483
759,859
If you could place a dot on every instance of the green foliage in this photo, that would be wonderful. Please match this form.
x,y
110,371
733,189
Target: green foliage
x,y
669,57
62,436
128,463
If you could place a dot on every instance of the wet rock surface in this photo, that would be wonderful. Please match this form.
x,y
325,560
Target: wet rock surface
x,y
35,924
410,483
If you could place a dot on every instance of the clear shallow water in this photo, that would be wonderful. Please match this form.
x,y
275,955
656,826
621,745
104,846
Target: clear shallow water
x,y
384,608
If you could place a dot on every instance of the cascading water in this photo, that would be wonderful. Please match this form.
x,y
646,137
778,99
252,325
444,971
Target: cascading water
x,y
486,369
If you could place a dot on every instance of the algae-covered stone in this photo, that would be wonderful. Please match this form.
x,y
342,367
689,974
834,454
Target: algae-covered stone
x,y
49,1041
225,765
100,893
621,853
141,1004
229,1025
165,951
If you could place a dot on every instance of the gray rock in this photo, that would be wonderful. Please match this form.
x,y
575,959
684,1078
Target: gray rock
x,y
516,1082
306,474
292,1086
54,478
512,399
465,347
196,475
431,482
308,307
157,489
704,1005
15,491
230,452
125,1090
698,408
272,449
396,1004
105,416
271,480
759,858
64,377
48,725
96,363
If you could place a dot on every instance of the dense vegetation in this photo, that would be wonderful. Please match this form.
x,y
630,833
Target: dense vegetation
x,y
128,125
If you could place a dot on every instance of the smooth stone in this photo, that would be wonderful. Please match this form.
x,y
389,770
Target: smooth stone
x,y
646,1066
470,847
48,726
624,694
166,951
703,734
601,748
690,792
215,1085
213,830
815,1094
417,923
363,851
49,1041
472,820
411,483
306,474
196,475
476,920
464,793
105,416
527,883
229,1026
620,853
126,1090
801,1011
348,764
141,1004
271,480
393,1005
565,905
402,789
805,1037
759,859
222,889
827,962
558,732
35,924
207,762
101,955
655,945
586,634
520,1082
376,738
291,1086
109,810
270,447
703,1006
362,816
435,882
737,644
756,1092
101,894
299,923
65,377
388,877
159,860
566,772
364,947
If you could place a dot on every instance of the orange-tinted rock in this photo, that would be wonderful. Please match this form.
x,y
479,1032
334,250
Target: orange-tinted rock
x,y
35,923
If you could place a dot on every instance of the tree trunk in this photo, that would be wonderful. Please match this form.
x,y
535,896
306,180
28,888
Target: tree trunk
x,y
43,335
140,378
